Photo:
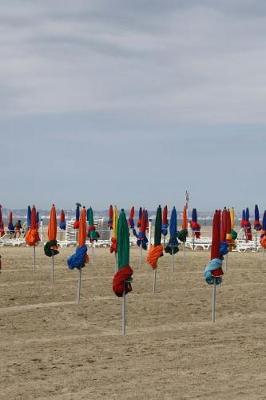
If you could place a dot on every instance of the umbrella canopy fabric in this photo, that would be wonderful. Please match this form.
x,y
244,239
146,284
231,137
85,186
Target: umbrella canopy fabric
x,y
50,247
76,223
131,222
156,250
165,221
142,239
10,223
195,226
223,225
232,216
213,271
263,235
28,217
32,235
243,220
110,214
113,247
92,233
184,218
172,246
264,221
80,257
140,215
52,225
122,279
62,223
82,234
257,224
2,227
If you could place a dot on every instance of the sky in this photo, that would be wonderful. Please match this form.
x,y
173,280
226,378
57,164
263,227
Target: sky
x,y
132,102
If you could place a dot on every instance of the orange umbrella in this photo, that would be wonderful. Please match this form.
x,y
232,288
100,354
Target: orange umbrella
x,y
82,234
52,226
185,220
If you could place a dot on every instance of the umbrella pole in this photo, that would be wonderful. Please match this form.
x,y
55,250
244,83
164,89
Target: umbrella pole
x,y
214,301
193,241
79,286
52,269
226,262
92,253
34,258
124,312
154,279
173,261
140,255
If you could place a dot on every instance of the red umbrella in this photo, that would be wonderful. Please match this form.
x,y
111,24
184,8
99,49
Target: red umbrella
x,y
2,227
32,235
131,218
62,223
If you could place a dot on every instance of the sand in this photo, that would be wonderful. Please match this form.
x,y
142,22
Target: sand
x,y
52,348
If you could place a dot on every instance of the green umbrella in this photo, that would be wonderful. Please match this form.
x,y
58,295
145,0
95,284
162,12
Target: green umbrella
x,y
92,232
122,241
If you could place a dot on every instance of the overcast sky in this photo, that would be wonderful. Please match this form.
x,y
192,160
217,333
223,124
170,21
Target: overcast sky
x,y
133,102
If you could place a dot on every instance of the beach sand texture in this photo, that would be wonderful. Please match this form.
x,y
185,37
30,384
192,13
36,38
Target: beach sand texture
x,y
52,348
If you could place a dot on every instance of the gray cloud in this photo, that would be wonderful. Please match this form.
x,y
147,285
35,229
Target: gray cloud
x,y
118,93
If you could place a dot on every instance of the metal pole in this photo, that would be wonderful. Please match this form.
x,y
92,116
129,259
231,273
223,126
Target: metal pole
x,y
154,279
79,286
214,301
124,312
53,269
34,258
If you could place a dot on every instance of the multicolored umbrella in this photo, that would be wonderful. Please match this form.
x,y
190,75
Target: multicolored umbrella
x,y
243,220
172,246
141,234
195,226
257,224
156,250
51,247
76,223
80,257
213,271
2,227
32,235
165,222
113,247
92,233
248,226
123,277
10,223
131,222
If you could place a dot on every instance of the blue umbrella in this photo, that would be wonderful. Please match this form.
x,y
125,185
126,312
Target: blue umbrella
x,y
28,217
247,214
172,246
264,221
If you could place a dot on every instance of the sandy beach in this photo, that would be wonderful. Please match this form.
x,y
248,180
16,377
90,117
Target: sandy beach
x,y
52,348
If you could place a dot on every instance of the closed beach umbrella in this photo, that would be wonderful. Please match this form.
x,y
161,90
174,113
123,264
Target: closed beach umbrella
x,y
141,236
123,277
257,224
156,250
93,235
110,215
140,215
76,223
80,257
113,247
131,222
62,223
32,235
184,218
2,227
195,226
28,217
243,220
165,221
52,225
248,226
10,223
213,271
172,246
